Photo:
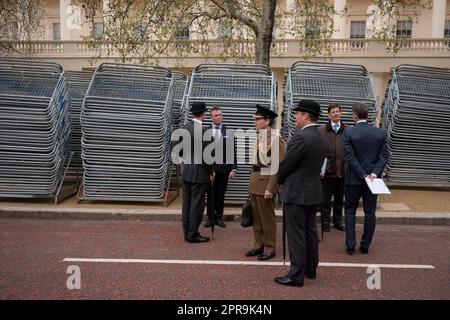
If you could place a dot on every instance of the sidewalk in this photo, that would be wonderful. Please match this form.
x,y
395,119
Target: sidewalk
x,y
404,206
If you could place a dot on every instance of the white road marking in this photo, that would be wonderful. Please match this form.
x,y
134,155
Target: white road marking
x,y
248,263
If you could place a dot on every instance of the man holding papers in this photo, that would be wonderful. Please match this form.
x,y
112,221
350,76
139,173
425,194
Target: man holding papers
x,y
366,154
333,177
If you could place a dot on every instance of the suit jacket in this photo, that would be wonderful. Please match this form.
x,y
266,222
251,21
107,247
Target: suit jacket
x,y
336,156
259,183
191,171
299,172
225,167
365,151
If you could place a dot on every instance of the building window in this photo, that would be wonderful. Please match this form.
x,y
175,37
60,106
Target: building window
x,y
140,32
447,29
357,29
182,32
56,31
312,29
224,30
15,31
97,29
404,29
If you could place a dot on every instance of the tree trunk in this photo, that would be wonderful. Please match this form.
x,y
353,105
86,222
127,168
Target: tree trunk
x,y
265,32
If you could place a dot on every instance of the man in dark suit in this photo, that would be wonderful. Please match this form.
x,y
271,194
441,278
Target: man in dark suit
x,y
301,193
196,177
366,155
222,169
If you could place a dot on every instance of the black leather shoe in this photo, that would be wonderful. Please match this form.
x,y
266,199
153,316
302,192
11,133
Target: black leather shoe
x,y
340,227
288,282
326,228
350,251
364,250
266,256
254,252
199,239
207,224
219,222
310,276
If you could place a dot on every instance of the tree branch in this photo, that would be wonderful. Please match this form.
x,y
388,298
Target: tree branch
x,y
234,13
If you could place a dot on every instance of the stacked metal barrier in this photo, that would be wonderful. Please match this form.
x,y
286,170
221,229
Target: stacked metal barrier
x,y
180,87
77,84
327,83
236,89
126,127
34,128
416,118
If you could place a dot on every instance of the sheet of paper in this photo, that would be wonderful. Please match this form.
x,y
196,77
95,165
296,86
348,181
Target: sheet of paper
x,y
324,167
377,186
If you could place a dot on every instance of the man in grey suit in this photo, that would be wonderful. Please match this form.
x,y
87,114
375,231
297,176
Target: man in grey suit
x,y
196,176
301,193
366,153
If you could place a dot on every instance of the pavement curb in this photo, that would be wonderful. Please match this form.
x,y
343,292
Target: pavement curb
x,y
383,217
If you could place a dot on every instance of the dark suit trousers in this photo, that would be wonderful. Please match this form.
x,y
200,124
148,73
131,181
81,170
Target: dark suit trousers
x,y
302,240
332,187
352,196
193,207
220,187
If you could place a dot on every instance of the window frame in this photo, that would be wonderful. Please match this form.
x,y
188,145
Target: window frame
x,y
447,29
183,32
360,23
403,33
57,34
94,29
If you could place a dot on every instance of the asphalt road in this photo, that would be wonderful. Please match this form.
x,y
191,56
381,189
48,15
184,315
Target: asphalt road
x,y
415,263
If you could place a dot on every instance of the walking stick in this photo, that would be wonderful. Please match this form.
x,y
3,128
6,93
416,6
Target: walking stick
x,y
321,229
213,222
284,239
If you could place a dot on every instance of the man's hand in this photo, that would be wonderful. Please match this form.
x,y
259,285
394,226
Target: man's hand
x,y
232,175
212,177
371,177
268,195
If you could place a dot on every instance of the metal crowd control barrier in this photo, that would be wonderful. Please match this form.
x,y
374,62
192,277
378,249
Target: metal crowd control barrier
x,y
126,121
180,85
236,89
34,129
180,88
327,83
77,84
416,118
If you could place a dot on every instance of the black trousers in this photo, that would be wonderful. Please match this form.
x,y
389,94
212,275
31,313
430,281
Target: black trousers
x,y
332,187
193,208
302,240
219,189
352,196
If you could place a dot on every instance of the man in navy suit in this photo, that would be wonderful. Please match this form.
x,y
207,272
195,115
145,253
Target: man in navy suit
x,y
223,171
366,154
